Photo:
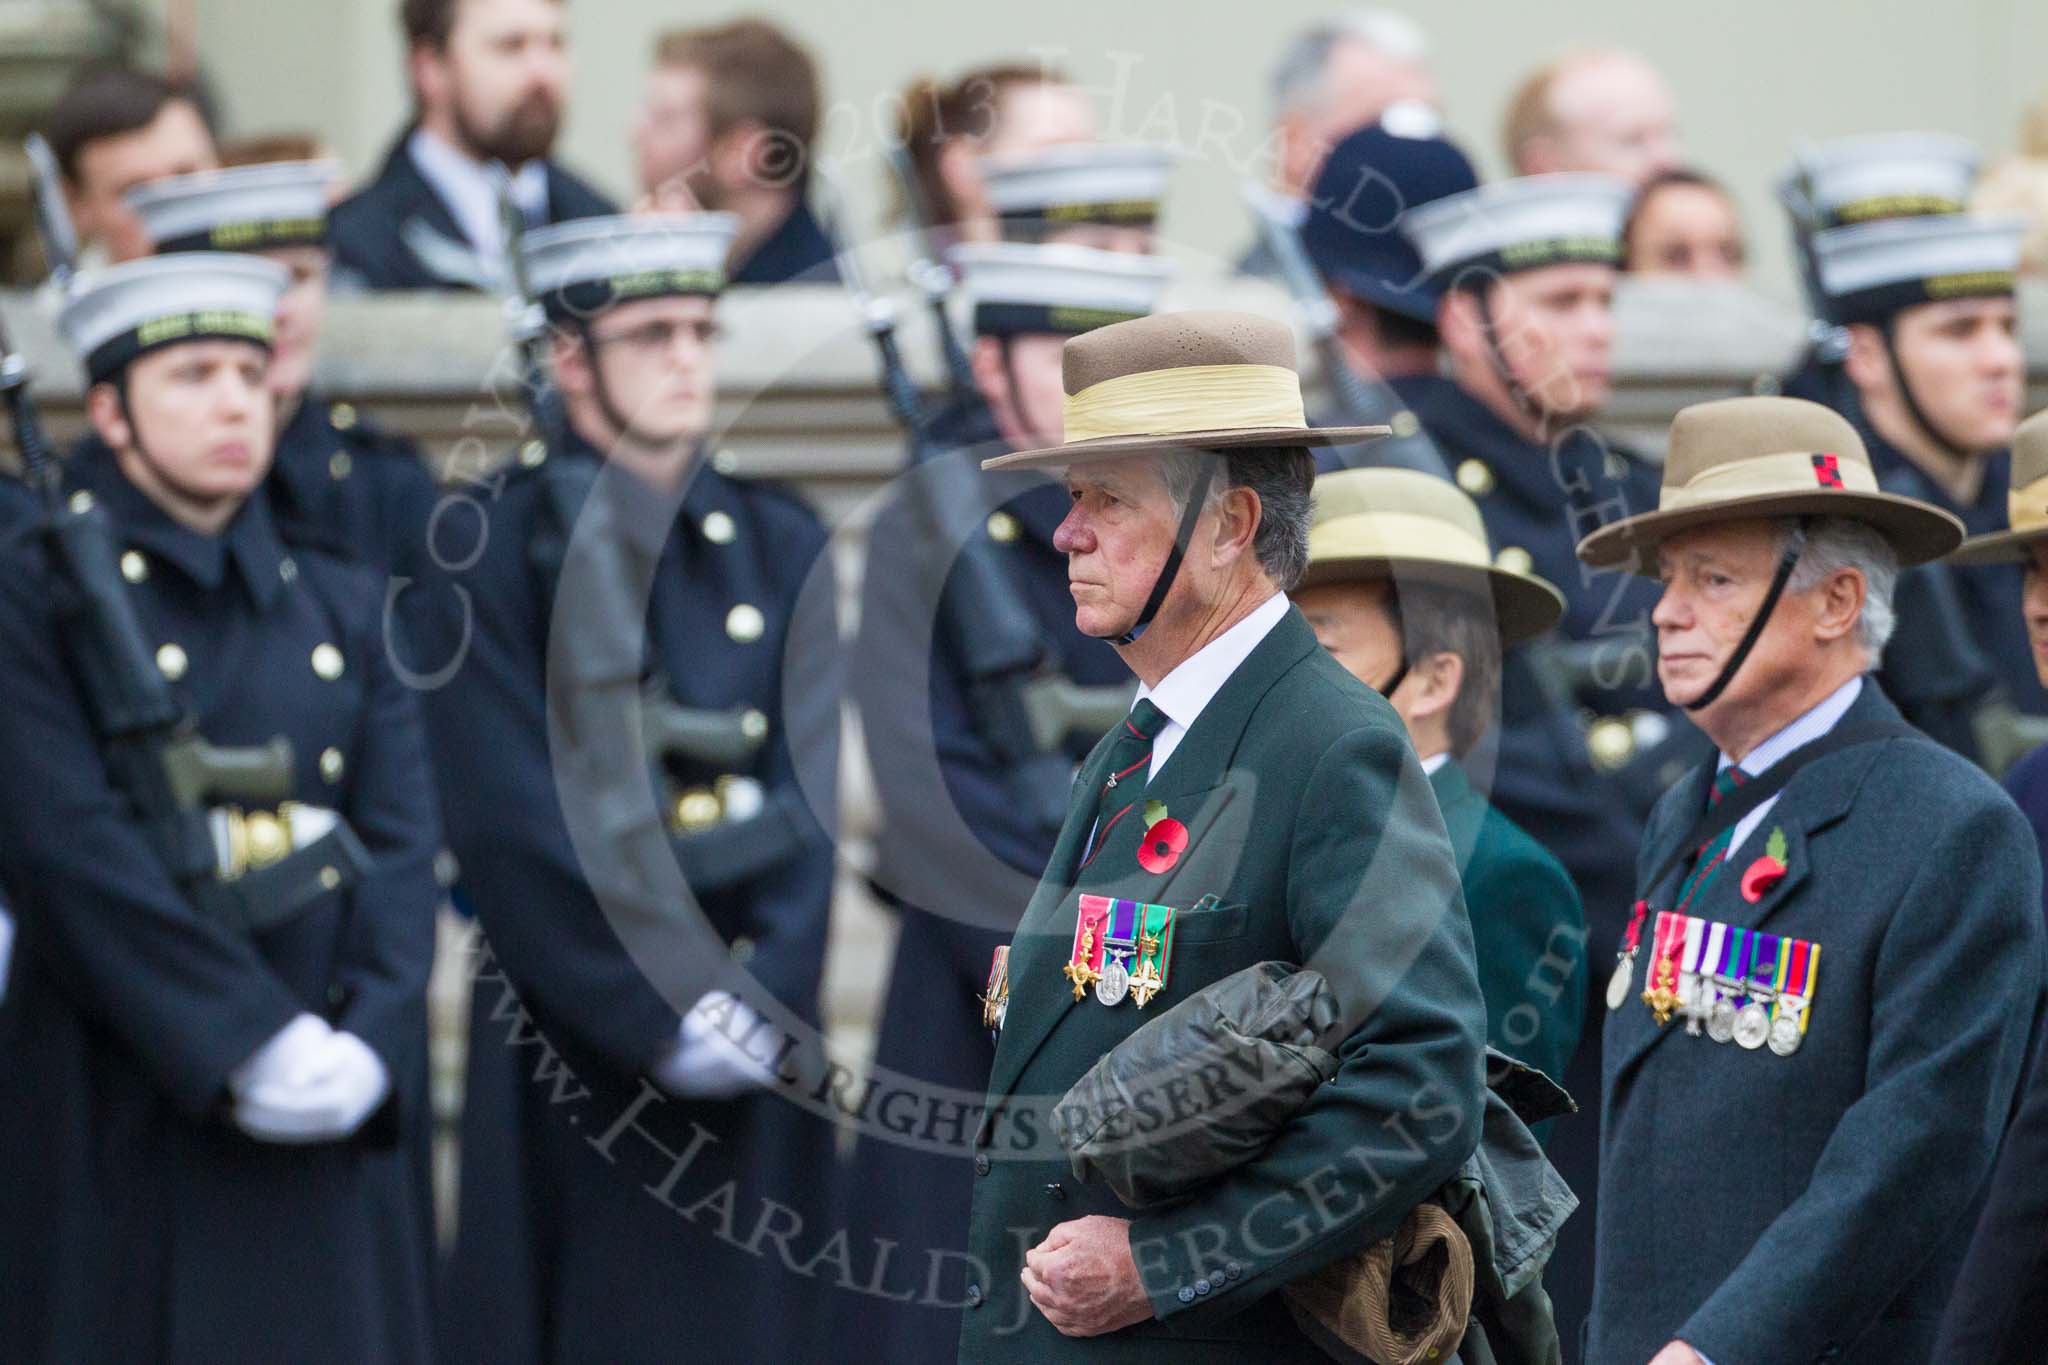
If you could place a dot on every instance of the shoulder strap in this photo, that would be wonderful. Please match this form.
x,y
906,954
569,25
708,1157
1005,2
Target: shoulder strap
x,y
1752,794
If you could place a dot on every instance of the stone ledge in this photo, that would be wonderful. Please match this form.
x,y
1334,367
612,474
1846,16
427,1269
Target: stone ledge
x,y
797,374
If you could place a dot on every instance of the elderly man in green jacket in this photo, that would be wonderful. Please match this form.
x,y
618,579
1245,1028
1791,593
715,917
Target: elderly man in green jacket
x,y
1258,803
1403,591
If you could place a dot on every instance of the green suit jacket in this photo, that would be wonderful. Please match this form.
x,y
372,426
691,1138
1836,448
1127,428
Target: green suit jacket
x,y
1528,928
1311,821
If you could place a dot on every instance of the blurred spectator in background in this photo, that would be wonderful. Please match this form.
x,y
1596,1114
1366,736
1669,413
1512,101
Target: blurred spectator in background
x,y
490,80
262,149
999,111
116,128
1683,223
1602,109
730,116
1386,305
1331,79
2018,184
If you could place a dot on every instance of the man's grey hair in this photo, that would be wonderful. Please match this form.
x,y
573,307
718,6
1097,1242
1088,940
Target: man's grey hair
x,y
1837,543
1296,80
1282,476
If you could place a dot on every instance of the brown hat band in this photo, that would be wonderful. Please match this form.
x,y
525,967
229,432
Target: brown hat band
x,y
1766,475
1186,398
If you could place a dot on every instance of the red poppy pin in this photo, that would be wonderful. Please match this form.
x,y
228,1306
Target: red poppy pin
x,y
1765,873
1165,839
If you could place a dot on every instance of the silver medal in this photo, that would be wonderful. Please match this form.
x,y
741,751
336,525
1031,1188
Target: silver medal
x,y
1785,1035
1115,983
1623,978
1721,1021
1752,1025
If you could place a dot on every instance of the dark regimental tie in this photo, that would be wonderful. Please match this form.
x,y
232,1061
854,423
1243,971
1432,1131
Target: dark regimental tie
x,y
1714,852
1124,788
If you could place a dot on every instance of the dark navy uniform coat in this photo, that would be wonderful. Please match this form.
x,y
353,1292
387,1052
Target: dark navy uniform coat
x,y
1961,635
367,488
565,1254
135,1222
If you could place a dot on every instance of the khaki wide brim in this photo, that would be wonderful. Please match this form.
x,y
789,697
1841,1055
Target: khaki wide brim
x,y
2000,547
1523,606
1230,438
1919,533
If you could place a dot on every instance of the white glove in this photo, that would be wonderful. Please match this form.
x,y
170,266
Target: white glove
x,y
710,1060
6,948
308,1084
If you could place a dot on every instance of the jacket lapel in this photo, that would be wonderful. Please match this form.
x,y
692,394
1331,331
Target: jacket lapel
x,y
1195,783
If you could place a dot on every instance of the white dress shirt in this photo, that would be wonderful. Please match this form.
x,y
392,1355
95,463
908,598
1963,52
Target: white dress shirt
x,y
1435,761
1824,716
471,198
1183,693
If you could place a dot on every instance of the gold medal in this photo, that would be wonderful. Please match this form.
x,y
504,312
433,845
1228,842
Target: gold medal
x,y
1081,970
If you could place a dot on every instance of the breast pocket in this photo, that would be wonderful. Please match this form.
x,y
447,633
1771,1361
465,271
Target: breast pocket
x,y
1209,924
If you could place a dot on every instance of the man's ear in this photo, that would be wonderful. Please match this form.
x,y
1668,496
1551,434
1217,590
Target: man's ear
x,y
991,376
747,157
103,409
1238,514
1537,154
426,65
1866,363
957,173
1435,685
1459,325
1840,604
571,361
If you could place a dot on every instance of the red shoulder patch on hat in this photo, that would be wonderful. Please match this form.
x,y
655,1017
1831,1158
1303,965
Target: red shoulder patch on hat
x,y
1827,471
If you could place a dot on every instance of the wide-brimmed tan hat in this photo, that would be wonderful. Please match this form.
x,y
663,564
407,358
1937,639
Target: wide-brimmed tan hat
x,y
1197,380
2026,504
1739,459
1402,524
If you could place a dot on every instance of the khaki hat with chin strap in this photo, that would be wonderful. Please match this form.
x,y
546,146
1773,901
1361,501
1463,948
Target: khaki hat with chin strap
x,y
1409,526
2026,504
1195,380
1744,459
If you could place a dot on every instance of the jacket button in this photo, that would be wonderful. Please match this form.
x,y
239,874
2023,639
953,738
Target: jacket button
x,y
981,1163
974,1296
1056,1190
1186,1294
1232,1271
1202,1286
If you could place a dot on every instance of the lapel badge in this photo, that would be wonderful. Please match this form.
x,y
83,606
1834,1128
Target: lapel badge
x,y
1766,872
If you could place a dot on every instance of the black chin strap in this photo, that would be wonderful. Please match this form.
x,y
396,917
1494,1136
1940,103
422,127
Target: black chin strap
x,y
1171,569
604,394
120,382
1498,359
1786,563
1913,408
1387,688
